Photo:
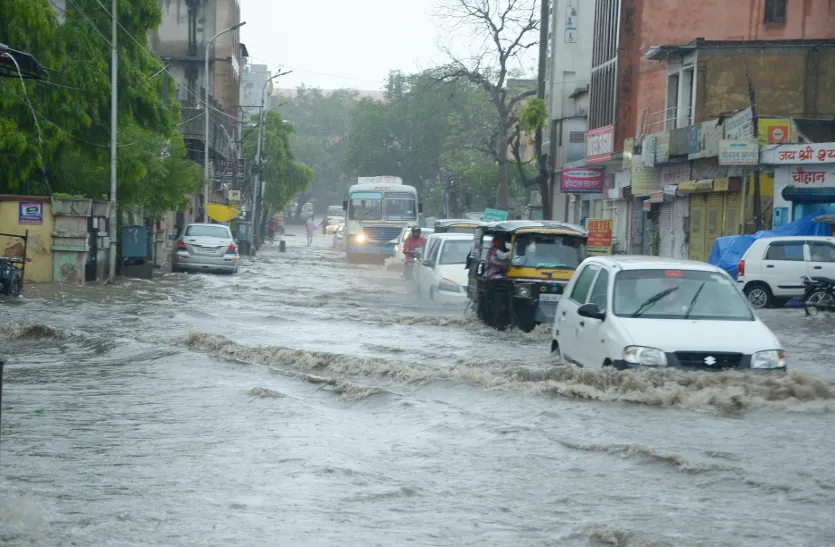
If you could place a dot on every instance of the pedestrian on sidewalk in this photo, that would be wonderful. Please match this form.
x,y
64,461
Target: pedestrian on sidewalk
x,y
271,227
310,227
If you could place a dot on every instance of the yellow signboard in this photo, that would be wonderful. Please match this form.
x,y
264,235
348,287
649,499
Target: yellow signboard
x,y
600,236
645,180
775,130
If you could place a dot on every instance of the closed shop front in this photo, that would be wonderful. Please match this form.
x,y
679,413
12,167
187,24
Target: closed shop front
x,y
665,229
681,222
714,212
621,226
637,225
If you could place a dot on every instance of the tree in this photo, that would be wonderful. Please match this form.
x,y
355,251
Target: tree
x,y
508,28
67,150
282,174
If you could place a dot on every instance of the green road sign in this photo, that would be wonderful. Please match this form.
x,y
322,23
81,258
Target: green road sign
x,y
494,215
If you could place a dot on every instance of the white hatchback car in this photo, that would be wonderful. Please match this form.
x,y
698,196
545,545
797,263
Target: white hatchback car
x,y
771,269
640,311
442,275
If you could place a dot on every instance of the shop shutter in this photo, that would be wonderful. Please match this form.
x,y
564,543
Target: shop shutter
x,y
681,209
714,221
637,227
731,226
622,225
665,229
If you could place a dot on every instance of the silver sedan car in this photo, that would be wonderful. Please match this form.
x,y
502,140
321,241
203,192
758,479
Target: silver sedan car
x,y
205,247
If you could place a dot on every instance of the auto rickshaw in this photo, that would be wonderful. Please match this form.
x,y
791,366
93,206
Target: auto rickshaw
x,y
456,226
542,257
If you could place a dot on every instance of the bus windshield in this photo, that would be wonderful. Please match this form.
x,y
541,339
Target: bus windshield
x,y
365,206
400,206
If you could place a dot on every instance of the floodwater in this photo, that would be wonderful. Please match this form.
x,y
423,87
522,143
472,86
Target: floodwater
x,y
306,401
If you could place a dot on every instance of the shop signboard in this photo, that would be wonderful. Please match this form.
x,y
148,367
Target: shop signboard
x,y
662,147
582,181
738,152
803,154
657,197
234,196
740,126
674,174
704,139
812,177
775,130
645,180
600,144
600,236
628,150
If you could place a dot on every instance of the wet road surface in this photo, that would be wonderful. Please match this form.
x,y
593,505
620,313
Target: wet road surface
x,y
306,401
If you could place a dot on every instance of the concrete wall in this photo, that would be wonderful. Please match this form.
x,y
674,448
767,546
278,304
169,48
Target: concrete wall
x,y
228,64
792,88
39,251
569,66
646,23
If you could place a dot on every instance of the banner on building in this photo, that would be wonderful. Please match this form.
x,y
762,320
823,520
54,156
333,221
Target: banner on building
x,y
704,139
662,147
674,174
645,180
600,236
739,152
600,144
582,181
628,151
740,126
813,177
648,151
775,131
800,153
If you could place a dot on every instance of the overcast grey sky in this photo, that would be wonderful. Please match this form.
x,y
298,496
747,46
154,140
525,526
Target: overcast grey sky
x,y
341,43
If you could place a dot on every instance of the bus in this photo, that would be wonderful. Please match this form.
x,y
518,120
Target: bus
x,y
377,210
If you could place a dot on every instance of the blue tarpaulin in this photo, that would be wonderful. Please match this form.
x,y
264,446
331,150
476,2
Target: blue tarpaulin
x,y
728,251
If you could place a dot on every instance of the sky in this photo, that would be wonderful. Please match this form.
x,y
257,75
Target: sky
x,y
341,43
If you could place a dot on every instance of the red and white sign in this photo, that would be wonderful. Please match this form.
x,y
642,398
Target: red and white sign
x,y
675,174
581,181
812,177
778,133
804,154
600,144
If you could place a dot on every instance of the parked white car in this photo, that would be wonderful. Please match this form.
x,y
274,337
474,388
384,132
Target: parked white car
x,y
650,312
771,269
442,275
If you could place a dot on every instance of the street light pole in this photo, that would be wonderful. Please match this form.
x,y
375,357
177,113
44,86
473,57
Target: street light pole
x,y
257,179
114,121
206,106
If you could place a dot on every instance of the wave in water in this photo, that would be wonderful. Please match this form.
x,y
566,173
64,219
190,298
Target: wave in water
x,y
34,331
630,450
725,392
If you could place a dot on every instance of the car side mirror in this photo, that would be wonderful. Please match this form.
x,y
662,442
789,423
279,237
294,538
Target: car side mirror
x,y
420,208
345,205
591,311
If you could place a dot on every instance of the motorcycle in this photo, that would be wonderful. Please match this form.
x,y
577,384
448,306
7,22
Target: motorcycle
x,y
409,265
818,294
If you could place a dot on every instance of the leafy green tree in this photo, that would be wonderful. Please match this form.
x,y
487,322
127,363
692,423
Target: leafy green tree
x,y
71,152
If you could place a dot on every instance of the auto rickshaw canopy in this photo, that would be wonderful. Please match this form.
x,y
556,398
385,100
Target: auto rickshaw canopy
x,y
512,227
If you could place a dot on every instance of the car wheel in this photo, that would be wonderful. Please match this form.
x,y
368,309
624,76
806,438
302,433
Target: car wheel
x,y
555,349
759,295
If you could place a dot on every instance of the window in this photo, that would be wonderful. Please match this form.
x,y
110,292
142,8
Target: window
x,y
822,252
399,206
600,292
202,230
576,137
790,250
583,284
365,206
548,251
775,11
432,255
678,294
455,252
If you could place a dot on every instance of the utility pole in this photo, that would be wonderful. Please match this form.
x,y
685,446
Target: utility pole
x,y
752,95
541,159
114,120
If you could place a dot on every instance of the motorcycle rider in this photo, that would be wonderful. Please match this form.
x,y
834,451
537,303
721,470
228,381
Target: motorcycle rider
x,y
414,242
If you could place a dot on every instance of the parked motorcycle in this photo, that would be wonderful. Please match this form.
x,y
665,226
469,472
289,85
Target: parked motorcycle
x,y
818,294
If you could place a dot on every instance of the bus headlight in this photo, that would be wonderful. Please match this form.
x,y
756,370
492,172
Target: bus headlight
x,y
360,238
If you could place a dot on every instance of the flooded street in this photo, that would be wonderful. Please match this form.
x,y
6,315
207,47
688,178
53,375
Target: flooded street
x,y
306,401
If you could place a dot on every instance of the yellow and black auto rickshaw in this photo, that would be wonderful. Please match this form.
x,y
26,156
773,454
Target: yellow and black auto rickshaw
x,y
456,226
540,258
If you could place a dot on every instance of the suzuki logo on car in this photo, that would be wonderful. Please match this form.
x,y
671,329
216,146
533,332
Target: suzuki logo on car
x,y
710,360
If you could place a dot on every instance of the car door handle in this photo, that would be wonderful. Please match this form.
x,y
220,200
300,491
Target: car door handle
x,y
818,267
582,323
770,266
563,314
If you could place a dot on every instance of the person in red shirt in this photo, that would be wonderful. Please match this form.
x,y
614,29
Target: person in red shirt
x,y
413,242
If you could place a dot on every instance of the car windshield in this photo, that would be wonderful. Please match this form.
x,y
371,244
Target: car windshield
x,y
460,230
366,206
678,294
455,252
548,251
400,206
335,211
201,230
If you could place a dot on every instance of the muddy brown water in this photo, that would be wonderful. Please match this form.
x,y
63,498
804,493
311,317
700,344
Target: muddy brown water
x,y
306,401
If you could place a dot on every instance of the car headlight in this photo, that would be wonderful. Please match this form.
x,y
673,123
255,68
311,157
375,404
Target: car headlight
x,y
447,285
360,238
773,358
522,291
647,357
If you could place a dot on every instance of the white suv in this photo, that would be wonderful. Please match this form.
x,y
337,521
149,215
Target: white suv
x,y
770,272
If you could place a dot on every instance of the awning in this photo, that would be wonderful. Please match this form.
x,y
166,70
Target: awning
x,y
809,195
223,213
